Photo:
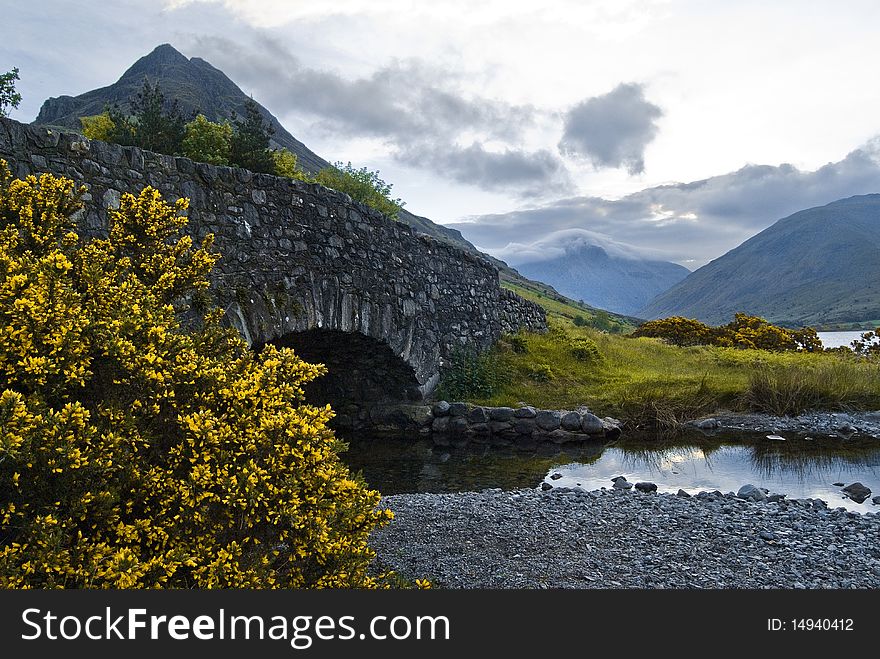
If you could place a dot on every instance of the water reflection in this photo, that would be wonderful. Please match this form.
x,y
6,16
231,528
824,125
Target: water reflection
x,y
796,468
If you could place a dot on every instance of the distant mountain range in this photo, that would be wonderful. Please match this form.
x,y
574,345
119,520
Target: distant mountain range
x,y
818,267
200,87
588,272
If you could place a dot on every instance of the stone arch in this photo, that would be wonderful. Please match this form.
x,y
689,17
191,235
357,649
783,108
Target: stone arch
x,y
375,351
361,372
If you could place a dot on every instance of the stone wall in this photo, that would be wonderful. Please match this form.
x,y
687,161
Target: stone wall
x,y
299,257
524,426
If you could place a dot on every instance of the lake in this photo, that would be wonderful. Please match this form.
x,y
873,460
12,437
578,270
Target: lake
x,y
798,468
838,339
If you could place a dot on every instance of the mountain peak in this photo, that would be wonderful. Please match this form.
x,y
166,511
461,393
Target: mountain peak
x,y
194,83
162,57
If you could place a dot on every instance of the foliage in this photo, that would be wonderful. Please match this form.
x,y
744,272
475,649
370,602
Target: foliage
x,y
584,349
579,321
650,384
677,330
134,453
9,98
207,141
868,345
748,332
514,343
538,372
469,374
250,141
98,127
154,123
285,165
827,385
361,185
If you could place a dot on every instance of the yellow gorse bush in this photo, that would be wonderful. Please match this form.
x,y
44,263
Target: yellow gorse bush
x,y
135,452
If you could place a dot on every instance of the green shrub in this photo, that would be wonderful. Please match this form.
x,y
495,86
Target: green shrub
x,y
868,344
469,374
539,372
9,98
361,185
207,141
98,127
584,349
286,166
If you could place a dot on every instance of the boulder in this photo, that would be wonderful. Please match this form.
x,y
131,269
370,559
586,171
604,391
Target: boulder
x,y
645,486
546,486
500,426
751,493
440,424
500,413
478,415
611,426
524,426
622,484
441,408
571,421
458,409
548,419
683,493
527,412
857,492
591,424
708,424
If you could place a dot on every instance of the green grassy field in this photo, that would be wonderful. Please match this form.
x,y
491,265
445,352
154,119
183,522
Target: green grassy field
x,y
647,383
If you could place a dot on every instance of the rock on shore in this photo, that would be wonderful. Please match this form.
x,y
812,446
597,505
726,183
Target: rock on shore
x,y
816,425
564,538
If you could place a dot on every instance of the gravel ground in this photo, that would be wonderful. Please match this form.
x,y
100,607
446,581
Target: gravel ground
x,y
626,539
815,424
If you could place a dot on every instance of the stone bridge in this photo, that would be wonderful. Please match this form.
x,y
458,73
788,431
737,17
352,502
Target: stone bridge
x,y
304,266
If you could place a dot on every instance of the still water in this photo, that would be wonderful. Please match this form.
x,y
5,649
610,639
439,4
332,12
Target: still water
x,y
838,339
797,468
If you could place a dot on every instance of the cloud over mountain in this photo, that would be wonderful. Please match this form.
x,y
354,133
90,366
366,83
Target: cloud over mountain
x,y
688,223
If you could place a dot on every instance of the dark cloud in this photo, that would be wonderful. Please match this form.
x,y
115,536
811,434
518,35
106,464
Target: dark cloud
x,y
418,110
689,223
530,173
612,130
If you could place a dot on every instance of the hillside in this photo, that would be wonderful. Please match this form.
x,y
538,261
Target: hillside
x,y
604,280
816,267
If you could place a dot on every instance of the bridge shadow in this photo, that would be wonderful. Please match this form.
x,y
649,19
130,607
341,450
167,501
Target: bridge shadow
x,y
361,372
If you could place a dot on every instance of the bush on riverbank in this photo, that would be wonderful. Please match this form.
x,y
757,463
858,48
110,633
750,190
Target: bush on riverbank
x,y
747,332
648,383
135,452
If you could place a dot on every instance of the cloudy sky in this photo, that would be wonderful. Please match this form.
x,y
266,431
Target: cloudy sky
x,y
671,128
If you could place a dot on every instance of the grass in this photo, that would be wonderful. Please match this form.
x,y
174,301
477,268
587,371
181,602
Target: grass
x,y
649,384
559,307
